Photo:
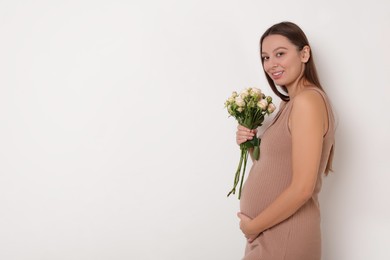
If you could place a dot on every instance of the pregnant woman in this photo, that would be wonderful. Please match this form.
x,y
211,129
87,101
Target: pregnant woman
x,y
279,210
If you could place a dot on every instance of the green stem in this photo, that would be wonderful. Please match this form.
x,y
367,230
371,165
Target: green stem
x,y
237,175
243,173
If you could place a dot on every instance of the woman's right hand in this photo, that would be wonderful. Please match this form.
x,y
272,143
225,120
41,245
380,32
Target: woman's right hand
x,y
244,134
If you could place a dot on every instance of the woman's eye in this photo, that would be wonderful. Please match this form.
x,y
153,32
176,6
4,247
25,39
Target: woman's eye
x,y
264,58
279,54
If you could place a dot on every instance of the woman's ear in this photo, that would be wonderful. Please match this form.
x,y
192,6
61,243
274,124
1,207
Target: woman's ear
x,y
305,54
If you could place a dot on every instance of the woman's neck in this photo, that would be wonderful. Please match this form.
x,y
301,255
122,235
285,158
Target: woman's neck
x,y
297,87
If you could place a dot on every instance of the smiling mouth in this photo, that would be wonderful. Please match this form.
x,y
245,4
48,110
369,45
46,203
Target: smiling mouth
x,y
277,75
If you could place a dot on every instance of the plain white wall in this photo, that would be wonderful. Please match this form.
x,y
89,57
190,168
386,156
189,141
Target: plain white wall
x,y
114,143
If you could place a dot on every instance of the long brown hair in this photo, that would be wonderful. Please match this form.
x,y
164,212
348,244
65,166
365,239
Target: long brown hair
x,y
297,37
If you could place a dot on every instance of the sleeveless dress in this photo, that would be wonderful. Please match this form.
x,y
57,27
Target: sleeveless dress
x,y
299,236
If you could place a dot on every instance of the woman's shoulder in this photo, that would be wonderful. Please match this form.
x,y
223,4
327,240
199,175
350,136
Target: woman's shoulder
x,y
309,105
312,105
310,98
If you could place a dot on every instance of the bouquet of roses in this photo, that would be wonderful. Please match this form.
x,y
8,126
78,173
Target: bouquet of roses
x,y
249,108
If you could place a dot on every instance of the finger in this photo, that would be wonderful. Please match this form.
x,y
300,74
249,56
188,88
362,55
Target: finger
x,y
246,130
243,128
242,214
245,217
243,138
244,134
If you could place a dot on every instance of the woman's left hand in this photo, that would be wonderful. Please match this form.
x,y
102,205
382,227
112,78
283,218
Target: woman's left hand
x,y
245,226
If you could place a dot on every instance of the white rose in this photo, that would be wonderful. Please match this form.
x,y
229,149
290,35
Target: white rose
x,y
240,109
231,99
234,94
239,101
244,94
271,108
230,110
255,92
262,104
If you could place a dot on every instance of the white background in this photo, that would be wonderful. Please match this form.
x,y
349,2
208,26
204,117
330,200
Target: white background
x,y
114,142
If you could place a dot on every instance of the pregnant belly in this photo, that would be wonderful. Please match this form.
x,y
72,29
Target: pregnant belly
x,y
261,188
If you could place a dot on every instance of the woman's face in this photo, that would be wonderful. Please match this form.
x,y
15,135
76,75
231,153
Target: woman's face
x,y
282,61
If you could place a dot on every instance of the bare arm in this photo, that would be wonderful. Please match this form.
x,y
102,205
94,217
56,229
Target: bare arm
x,y
308,121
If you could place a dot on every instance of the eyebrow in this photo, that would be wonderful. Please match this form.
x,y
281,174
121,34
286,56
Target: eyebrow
x,y
275,50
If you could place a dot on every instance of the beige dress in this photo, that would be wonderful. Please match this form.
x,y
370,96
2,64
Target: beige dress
x,y
299,236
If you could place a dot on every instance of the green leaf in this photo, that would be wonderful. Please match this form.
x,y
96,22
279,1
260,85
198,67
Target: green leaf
x,y
256,153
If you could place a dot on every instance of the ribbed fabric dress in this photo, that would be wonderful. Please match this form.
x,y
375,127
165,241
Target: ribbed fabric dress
x,y
299,236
